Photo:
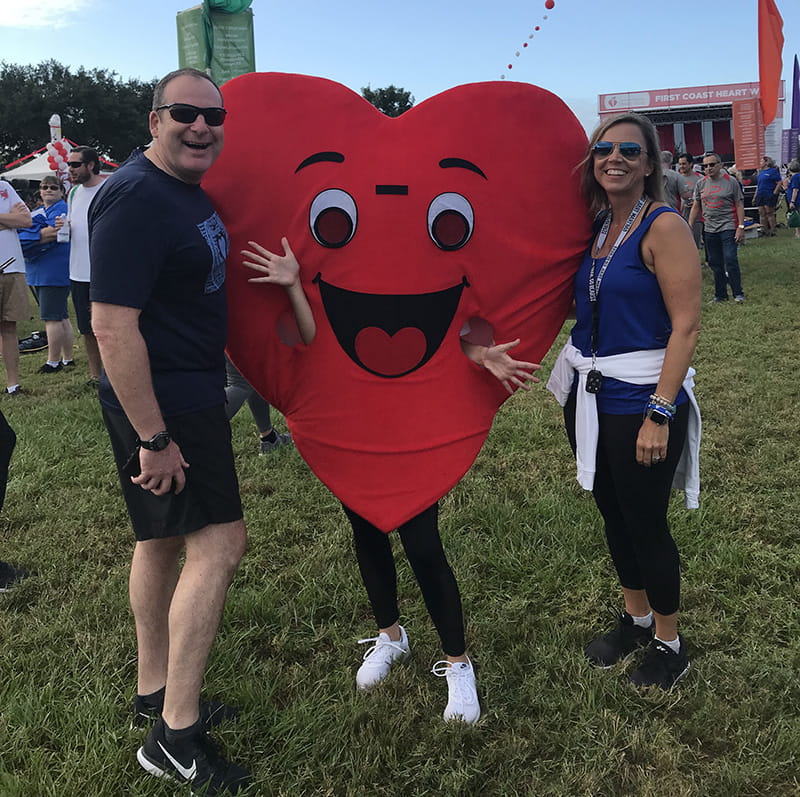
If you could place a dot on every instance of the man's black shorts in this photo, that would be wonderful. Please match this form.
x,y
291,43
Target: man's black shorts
x,y
211,494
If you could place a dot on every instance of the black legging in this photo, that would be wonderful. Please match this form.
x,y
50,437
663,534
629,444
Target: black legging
x,y
7,442
633,501
423,547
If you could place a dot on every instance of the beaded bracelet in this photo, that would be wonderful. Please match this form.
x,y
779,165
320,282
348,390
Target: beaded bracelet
x,y
660,400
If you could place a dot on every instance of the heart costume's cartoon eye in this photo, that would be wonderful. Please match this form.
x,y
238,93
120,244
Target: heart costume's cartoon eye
x,y
450,221
333,218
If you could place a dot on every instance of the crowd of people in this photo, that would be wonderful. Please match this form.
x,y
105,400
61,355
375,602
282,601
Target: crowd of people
x,y
154,315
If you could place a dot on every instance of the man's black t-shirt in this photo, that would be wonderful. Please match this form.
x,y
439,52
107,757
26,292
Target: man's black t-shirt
x,y
157,244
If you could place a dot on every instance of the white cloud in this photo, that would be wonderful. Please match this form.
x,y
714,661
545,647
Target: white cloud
x,y
40,13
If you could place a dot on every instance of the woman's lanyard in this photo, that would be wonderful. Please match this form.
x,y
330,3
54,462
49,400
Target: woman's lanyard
x,y
594,379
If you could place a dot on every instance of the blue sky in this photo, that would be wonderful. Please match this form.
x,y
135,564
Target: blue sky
x,y
583,48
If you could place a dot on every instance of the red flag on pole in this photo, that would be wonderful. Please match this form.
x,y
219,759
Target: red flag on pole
x,y
770,62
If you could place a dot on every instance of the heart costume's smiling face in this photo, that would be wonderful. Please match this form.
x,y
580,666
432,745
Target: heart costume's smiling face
x,y
462,213
389,335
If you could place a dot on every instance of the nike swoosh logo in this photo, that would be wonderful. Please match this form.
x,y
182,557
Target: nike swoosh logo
x,y
186,772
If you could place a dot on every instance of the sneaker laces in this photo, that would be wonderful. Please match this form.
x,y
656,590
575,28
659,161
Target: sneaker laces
x,y
457,679
379,643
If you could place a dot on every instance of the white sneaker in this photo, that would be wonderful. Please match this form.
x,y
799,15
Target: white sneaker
x,y
379,658
462,703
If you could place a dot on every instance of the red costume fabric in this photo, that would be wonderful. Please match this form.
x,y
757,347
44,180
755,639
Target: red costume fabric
x,y
464,211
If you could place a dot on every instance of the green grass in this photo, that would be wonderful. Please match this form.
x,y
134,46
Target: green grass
x,y
526,544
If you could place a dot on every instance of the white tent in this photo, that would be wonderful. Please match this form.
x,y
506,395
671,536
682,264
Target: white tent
x,y
35,168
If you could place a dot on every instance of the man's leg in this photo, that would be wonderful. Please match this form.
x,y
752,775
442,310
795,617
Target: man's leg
x,y
8,333
716,264
154,574
730,254
92,355
212,556
68,336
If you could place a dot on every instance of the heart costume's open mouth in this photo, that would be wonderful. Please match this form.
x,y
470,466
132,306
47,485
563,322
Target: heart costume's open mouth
x,y
389,335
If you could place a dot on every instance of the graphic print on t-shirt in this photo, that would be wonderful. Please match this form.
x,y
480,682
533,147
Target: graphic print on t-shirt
x,y
216,237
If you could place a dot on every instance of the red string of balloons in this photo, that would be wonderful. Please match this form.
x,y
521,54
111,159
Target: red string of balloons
x,y
549,5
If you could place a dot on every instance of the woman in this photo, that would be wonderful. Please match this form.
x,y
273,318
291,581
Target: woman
x,y
793,190
47,272
625,384
767,192
419,536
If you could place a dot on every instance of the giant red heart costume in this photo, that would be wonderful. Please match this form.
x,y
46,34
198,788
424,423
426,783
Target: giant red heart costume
x,y
466,209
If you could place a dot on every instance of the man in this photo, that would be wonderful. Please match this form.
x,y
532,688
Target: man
x,y
158,254
720,197
14,215
672,181
84,173
689,178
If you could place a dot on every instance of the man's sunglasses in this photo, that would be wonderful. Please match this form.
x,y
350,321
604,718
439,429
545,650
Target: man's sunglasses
x,y
710,165
186,114
628,149
74,164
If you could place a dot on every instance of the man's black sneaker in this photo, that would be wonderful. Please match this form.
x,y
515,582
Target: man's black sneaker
x,y
36,341
10,575
661,666
49,369
212,712
622,639
195,761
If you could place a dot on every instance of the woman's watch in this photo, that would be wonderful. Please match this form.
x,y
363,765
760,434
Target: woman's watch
x,y
657,417
158,442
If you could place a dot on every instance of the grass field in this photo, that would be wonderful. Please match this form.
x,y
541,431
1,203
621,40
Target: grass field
x,y
527,547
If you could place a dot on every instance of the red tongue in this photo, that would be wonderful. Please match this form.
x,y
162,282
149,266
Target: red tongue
x,y
390,355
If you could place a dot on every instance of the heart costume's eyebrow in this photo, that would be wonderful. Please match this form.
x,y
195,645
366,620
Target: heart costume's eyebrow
x,y
449,163
319,157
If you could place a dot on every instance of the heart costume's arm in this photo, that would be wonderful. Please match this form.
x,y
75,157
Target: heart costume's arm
x,y
498,362
285,271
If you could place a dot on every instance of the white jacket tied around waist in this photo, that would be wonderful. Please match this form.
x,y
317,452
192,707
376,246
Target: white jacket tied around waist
x,y
638,368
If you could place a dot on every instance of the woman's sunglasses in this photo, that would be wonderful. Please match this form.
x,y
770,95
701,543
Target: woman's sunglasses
x,y
186,114
628,149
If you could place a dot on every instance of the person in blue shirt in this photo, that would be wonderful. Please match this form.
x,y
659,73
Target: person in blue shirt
x,y
47,273
767,192
793,190
625,384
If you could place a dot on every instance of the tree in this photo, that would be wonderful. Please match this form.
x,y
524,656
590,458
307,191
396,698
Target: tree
x,y
97,108
392,100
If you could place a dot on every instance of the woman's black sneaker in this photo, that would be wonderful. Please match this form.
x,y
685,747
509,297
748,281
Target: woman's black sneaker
x,y
195,761
620,641
661,666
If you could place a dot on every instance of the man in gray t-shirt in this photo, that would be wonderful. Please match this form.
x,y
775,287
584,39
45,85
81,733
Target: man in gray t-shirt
x,y
720,198
672,182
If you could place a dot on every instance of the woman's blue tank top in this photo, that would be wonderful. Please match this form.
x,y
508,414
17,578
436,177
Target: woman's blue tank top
x,y
632,315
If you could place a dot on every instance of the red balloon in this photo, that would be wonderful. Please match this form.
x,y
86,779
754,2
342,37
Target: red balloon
x,y
59,145
536,28
525,44
52,161
549,3
510,66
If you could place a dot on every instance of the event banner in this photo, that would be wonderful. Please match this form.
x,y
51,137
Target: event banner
x,y
748,133
226,47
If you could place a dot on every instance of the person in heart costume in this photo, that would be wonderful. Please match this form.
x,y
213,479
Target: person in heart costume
x,y
463,214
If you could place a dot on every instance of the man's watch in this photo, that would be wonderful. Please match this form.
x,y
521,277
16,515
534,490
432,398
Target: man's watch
x,y
158,442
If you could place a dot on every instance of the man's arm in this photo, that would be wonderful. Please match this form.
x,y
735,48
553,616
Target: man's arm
x,y
740,219
17,218
127,365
